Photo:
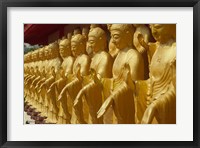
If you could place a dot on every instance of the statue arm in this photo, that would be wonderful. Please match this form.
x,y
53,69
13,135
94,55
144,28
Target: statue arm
x,y
27,77
69,67
35,80
47,81
54,83
30,79
105,68
162,103
121,88
85,66
136,65
82,92
69,85
40,82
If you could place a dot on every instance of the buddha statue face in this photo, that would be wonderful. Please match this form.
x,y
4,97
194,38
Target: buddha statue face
x,y
69,36
46,52
54,50
78,44
41,53
32,56
27,57
36,55
163,32
77,31
85,32
122,35
65,48
97,39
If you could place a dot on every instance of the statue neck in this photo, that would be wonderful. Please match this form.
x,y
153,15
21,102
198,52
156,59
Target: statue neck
x,y
98,52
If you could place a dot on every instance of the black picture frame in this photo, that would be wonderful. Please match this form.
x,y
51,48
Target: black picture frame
x,y
4,4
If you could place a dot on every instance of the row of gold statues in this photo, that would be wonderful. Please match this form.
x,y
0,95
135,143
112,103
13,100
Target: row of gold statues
x,y
89,78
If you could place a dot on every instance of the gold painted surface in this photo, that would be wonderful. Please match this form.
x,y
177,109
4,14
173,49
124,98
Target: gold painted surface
x,y
105,74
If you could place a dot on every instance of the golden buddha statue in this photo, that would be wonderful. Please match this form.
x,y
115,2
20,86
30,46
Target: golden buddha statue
x,y
27,74
61,80
69,36
85,32
127,67
54,66
51,66
161,95
101,64
33,64
40,75
80,67
40,87
77,31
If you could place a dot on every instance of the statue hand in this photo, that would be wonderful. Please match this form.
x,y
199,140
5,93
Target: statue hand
x,y
51,87
104,107
41,86
78,97
140,38
49,90
36,86
78,74
148,114
31,86
60,96
76,101
39,90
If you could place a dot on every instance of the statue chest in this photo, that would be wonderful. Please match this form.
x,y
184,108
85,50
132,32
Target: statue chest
x,y
119,63
96,61
161,61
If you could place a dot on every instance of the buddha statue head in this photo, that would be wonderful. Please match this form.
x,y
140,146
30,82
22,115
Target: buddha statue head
x,y
94,26
46,53
27,58
122,35
54,49
41,53
136,25
97,39
85,32
77,31
78,44
163,32
65,48
34,55
69,35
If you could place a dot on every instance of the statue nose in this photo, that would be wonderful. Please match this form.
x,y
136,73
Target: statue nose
x,y
113,41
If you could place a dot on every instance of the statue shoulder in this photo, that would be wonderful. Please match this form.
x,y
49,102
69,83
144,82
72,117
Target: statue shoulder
x,y
85,58
134,54
106,55
71,59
